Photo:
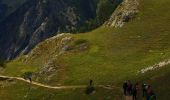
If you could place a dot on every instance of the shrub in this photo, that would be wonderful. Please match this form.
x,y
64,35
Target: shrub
x,y
27,75
90,90
2,64
80,41
105,8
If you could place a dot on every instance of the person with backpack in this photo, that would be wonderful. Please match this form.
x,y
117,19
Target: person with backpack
x,y
30,79
144,88
150,94
91,82
90,88
135,91
129,88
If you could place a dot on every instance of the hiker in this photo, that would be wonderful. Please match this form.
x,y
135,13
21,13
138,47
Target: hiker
x,y
144,88
135,91
125,85
30,79
90,88
91,82
129,88
150,95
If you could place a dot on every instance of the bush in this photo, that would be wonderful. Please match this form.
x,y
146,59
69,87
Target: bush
x,y
2,64
27,75
103,11
105,8
90,90
80,41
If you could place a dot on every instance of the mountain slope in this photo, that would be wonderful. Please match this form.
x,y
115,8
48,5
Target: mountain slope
x,y
107,55
133,46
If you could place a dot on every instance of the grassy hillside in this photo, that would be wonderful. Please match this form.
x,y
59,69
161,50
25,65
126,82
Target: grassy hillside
x,y
159,80
106,55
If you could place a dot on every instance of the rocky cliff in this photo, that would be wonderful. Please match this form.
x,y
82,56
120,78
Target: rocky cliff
x,y
7,7
125,12
35,20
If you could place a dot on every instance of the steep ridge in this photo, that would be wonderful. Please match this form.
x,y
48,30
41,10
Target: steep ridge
x,y
125,12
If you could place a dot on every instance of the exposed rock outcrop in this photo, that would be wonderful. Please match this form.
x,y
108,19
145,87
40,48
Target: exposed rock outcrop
x,y
124,13
155,67
7,7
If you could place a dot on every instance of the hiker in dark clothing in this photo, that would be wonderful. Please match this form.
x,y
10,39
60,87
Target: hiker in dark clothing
x,y
91,82
129,88
30,79
135,91
28,76
90,88
150,94
125,85
144,88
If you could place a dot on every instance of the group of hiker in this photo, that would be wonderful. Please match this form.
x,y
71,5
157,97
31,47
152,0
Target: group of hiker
x,y
134,90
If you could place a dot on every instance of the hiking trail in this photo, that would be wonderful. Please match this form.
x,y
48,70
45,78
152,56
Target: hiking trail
x,y
56,87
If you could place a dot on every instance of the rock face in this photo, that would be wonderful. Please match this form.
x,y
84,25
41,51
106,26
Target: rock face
x,y
36,20
124,13
3,10
7,7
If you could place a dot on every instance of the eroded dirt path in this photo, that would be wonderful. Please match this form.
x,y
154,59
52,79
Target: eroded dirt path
x,y
56,87
43,85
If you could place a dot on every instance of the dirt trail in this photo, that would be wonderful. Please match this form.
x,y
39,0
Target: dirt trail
x,y
128,97
43,85
56,87
65,87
